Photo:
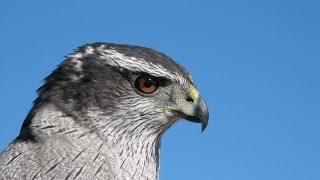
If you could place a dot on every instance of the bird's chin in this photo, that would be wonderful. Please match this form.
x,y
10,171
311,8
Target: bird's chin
x,y
170,120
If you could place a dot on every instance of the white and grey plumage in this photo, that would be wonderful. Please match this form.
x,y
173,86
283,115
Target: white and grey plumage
x,y
92,120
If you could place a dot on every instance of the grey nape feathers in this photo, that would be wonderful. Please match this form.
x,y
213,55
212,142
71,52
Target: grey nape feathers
x,y
101,115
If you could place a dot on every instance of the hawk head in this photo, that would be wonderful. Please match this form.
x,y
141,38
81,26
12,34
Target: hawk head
x,y
106,107
123,90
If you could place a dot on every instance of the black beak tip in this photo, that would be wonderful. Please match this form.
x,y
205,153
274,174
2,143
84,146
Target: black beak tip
x,y
204,122
202,115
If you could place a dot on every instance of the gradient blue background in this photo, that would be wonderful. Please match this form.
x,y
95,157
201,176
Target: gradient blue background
x,y
257,63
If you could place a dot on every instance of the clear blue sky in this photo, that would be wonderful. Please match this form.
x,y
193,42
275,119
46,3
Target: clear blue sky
x,y
257,63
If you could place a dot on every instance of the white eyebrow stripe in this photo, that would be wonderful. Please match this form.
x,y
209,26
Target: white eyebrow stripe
x,y
116,59
135,64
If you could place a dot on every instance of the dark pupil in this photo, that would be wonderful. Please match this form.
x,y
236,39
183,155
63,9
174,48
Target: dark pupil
x,y
148,83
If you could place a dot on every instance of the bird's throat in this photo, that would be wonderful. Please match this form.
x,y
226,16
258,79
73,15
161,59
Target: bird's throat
x,y
109,151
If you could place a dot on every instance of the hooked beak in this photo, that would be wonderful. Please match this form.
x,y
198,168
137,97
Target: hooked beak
x,y
195,109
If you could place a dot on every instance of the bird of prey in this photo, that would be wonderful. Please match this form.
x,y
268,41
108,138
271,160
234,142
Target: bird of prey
x,y
101,115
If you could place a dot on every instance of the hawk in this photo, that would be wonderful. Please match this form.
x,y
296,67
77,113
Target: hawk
x,y
101,115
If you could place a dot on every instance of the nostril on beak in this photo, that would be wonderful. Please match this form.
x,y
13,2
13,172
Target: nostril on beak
x,y
189,99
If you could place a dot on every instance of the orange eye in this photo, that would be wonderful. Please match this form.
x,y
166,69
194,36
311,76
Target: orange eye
x,y
147,84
